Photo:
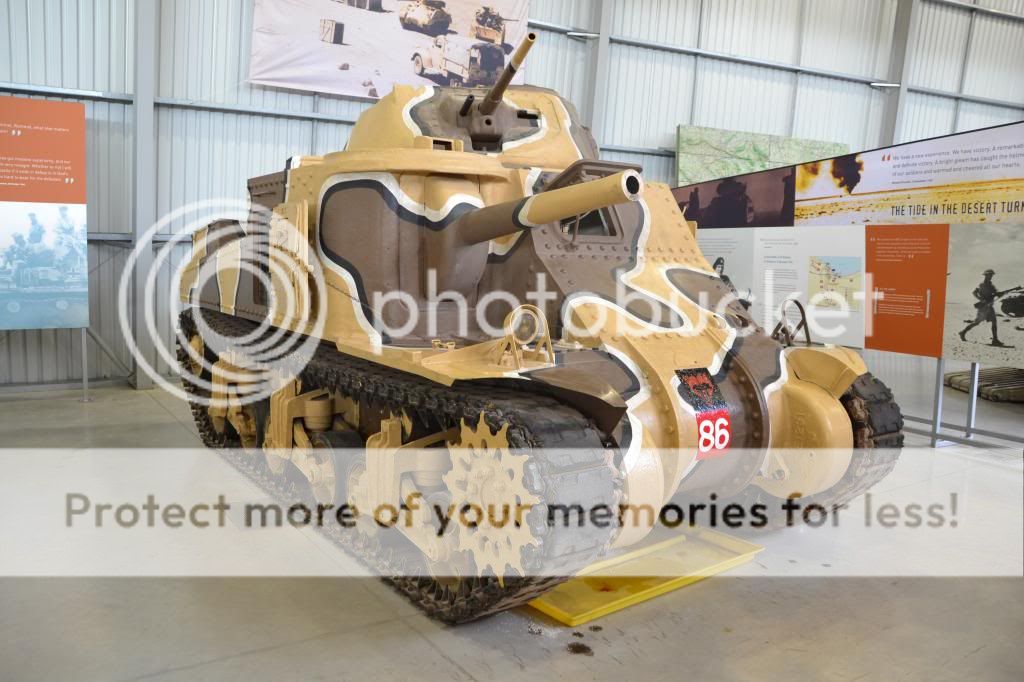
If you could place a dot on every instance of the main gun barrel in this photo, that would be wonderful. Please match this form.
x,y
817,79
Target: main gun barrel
x,y
497,91
555,205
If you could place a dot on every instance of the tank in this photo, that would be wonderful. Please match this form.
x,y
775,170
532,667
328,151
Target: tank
x,y
636,380
427,16
489,25
1013,306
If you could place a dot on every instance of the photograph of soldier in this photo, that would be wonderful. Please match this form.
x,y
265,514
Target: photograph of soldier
x,y
719,267
987,295
982,319
44,266
755,200
17,251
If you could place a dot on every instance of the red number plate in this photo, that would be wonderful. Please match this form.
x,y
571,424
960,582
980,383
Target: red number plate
x,y
714,432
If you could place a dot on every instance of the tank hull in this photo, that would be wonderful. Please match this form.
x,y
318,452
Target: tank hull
x,y
637,377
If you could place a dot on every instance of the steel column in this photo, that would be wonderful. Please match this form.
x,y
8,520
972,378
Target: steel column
x,y
963,70
599,73
696,75
144,190
904,33
799,60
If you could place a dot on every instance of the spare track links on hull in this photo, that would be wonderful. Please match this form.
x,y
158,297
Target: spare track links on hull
x,y
877,441
573,464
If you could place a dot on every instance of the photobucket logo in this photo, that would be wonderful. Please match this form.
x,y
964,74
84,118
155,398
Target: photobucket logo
x,y
254,259
442,313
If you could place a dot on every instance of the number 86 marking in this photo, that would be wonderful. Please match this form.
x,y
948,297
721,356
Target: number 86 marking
x,y
713,434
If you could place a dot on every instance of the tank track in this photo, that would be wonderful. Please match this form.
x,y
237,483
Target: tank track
x,y
574,465
877,441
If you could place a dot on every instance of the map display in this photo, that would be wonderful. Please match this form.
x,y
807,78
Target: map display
x,y
834,278
709,153
821,267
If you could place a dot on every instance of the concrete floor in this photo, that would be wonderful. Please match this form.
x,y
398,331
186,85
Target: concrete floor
x,y
746,627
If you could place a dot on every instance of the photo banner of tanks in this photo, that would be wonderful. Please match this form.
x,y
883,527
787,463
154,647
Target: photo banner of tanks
x,y
900,201
362,48
44,266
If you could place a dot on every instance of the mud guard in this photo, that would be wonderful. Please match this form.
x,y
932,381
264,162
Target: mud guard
x,y
585,391
833,369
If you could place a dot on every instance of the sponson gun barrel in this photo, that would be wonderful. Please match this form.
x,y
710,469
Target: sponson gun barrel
x,y
555,205
497,91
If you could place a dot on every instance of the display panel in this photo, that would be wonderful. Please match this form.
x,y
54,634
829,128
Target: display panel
x,y
754,200
44,268
362,48
985,295
821,268
973,177
919,274
907,267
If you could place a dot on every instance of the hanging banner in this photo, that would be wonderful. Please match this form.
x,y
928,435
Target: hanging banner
x,y
762,199
971,177
44,270
362,48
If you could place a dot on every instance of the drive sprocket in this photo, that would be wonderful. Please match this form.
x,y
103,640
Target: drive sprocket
x,y
488,479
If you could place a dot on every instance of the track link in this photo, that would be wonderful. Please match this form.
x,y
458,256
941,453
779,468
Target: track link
x,y
569,463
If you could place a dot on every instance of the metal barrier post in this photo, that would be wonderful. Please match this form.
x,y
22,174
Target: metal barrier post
x,y
972,399
85,366
940,370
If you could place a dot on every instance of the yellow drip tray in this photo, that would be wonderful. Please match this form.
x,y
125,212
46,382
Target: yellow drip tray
x,y
644,573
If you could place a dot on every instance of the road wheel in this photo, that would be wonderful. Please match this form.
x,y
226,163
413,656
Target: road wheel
x,y
335,452
417,65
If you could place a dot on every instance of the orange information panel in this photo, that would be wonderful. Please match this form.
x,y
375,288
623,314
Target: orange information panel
x,y
44,264
43,154
907,267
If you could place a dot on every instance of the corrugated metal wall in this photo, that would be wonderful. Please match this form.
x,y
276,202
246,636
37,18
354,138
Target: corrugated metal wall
x,y
213,130
653,88
972,53
82,44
